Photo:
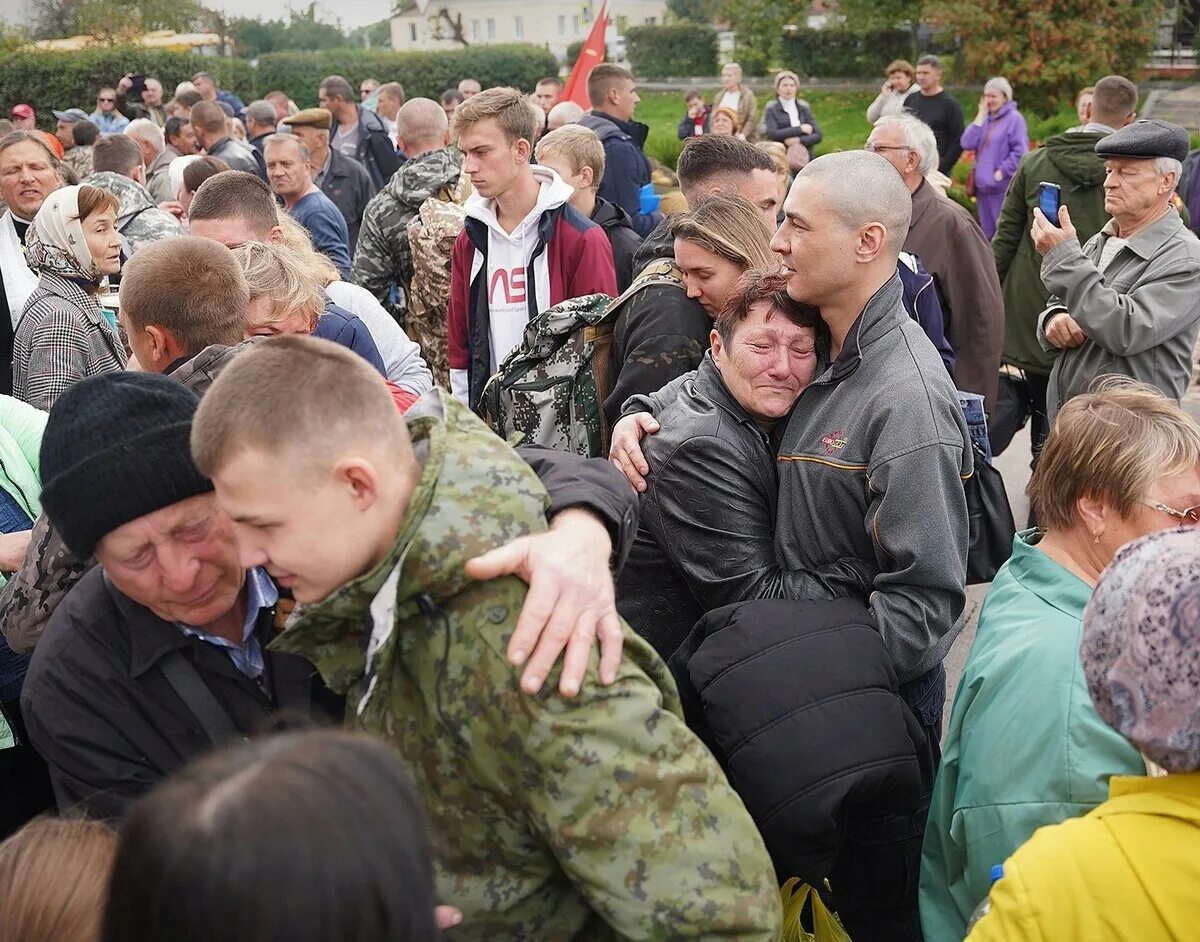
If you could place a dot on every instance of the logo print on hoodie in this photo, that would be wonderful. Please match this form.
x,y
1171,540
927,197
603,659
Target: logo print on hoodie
x,y
834,442
513,283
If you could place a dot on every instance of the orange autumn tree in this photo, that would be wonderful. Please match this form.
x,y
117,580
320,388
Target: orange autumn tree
x,y
1048,49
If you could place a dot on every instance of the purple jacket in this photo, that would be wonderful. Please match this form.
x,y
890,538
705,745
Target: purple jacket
x,y
1007,140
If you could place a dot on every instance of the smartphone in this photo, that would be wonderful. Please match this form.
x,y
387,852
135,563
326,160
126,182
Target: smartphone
x,y
1049,200
137,85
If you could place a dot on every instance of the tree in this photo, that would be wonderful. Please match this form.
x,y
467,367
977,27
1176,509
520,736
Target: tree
x,y
453,28
694,11
865,16
112,21
376,35
760,28
1048,49
303,30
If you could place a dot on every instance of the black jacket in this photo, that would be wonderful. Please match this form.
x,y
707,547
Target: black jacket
x,y
375,151
240,156
104,716
626,169
707,532
621,235
779,125
348,185
660,333
798,702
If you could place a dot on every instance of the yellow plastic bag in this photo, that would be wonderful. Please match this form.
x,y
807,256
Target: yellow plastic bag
x,y
826,925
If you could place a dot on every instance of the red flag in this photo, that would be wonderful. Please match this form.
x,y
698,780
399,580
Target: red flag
x,y
590,56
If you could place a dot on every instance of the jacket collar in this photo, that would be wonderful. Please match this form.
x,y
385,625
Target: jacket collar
x,y
1179,785
711,385
634,129
69,291
923,199
882,314
1057,587
150,638
1147,243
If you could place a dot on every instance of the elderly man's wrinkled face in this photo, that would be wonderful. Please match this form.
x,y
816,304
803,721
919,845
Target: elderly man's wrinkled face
x,y
287,169
767,363
1132,187
27,177
152,93
181,561
888,142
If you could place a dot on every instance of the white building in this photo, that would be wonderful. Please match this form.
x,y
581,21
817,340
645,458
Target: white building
x,y
554,24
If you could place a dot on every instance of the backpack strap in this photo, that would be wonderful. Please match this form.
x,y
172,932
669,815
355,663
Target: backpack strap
x,y
662,272
213,718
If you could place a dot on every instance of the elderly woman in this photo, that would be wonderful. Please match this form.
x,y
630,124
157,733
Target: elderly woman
x,y
1128,870
724,122
893,95
1025,747
707,529
1000,139
63,335
738,99
790,120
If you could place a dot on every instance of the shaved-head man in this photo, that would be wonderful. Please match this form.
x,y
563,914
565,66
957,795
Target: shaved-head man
x,y
382,258
871,468
469,88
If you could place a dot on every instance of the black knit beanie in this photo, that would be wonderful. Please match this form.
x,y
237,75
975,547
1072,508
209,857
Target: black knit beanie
x,y
116,447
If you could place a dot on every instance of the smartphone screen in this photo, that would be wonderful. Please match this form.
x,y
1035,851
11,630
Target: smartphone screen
x,y
1049,200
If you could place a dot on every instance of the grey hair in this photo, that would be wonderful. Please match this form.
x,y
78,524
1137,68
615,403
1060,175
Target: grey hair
x,y
844,178
1165,165
261,111
564,113
278,138
999,84
143,129
930,60
917,135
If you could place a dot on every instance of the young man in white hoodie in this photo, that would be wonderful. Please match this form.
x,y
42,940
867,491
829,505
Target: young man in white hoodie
x,y
523,249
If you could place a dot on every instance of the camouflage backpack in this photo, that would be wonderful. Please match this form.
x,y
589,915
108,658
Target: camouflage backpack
x,y
431,235
551,388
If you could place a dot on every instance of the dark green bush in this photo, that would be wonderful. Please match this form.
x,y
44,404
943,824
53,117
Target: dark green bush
x,y
678,50
423,74
573,51
71,79
840,53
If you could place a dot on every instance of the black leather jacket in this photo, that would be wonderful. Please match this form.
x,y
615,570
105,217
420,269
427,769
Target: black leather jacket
x,y
707,531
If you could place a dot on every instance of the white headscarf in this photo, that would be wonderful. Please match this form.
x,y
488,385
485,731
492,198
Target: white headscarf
x,y
55,242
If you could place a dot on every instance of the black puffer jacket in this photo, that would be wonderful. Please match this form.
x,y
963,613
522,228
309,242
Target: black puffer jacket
x,y
798,702
621,235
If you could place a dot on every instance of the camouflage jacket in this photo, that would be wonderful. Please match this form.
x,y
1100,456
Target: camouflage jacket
x,y
50,570
383,257
139,220
601,817
79,159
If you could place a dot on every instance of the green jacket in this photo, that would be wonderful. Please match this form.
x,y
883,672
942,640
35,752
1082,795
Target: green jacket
x,y
1025,748
1071,161
21,427
600,817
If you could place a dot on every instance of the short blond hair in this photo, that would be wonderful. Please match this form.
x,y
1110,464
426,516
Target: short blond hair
x,y
579,145
283,275
507,106
1111,445
296,394
778,153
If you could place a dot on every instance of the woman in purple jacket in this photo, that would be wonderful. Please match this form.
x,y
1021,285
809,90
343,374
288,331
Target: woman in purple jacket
x,y
999,138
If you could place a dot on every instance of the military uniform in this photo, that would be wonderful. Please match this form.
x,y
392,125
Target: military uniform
x,y
79,159
599,817
383,256
139,220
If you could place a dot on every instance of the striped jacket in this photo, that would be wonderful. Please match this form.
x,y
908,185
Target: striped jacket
x,y
62,337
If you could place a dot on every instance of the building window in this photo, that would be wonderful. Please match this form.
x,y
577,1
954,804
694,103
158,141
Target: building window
x,y
412,32
651,20
562,24
475,30
491,28
575,23
519,27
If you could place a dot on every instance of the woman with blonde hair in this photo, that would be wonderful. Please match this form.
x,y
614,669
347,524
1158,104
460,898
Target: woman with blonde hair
x,y
738,99
54,879
716,243
724,122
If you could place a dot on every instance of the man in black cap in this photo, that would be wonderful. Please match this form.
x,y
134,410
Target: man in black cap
x,y
1127,302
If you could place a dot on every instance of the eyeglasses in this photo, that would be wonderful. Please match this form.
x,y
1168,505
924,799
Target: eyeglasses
x,y
876,148
1191,516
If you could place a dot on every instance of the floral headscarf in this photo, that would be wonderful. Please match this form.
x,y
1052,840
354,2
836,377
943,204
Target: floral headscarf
x,y
55,243
1141,647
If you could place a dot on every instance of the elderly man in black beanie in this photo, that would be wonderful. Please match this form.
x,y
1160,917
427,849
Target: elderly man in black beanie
x,y
160,652
1127,302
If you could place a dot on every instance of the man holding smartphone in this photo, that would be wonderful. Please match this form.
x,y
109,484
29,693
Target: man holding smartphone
x,y
146,94
1128,302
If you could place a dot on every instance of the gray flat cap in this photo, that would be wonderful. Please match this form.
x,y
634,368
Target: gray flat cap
x,y
71,115
1146,139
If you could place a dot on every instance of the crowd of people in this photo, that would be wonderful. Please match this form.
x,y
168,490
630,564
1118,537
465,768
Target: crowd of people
x,y
629,685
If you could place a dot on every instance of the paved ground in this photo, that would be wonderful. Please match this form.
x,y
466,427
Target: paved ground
x,y
1181,105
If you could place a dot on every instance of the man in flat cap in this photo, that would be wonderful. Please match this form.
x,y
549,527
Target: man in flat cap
x,y
343,179
1128,302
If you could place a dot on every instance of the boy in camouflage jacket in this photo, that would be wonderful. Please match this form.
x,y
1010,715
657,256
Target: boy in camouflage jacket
x,y
599,817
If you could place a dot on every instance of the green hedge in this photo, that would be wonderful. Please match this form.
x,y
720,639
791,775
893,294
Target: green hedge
x,y
682,49
72,79
843,54
423,74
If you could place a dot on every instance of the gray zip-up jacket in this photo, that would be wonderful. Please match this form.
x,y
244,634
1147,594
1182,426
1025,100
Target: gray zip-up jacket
x,y
871,466
1141,314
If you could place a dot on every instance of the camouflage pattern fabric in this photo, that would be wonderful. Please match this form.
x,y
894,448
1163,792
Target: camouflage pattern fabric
x,y
431,236
599,817
139,220
79,159
383,257
550,390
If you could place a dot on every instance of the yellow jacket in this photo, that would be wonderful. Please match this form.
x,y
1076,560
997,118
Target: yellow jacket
x,y
1129,870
